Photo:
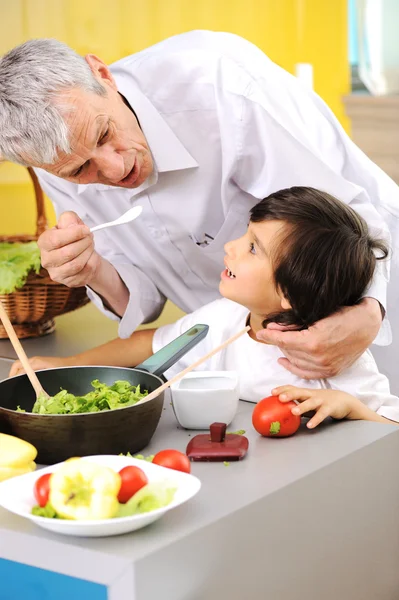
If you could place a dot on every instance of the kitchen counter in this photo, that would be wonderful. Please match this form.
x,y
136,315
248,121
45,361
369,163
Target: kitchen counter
x,y
308,517
75,332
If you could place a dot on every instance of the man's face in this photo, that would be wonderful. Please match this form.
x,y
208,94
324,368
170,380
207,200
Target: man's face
x,y
107,143
249,277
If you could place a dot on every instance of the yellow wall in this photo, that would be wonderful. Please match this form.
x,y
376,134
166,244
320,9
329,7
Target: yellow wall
x,y
289,31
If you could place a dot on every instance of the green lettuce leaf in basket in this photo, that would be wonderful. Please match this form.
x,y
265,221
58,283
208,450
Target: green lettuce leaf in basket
x,y
17,260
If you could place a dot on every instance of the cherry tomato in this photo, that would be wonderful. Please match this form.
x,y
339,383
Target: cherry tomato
x,y
272,418
41,489
133,479
173,459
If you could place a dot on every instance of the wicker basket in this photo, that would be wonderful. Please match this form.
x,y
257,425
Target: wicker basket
x,y
33,307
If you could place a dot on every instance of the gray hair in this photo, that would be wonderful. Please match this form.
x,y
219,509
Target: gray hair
x,y
32,129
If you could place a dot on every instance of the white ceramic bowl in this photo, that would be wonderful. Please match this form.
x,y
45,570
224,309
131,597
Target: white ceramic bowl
x,y
204,397
16,495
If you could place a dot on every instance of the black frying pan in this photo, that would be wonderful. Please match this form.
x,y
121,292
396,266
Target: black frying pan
x,y
58,437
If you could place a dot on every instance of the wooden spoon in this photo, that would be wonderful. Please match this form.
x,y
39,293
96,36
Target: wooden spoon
x,y
195,364
37,386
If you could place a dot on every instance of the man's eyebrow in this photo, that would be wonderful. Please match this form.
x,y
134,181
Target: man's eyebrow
x,y
70,172
259,244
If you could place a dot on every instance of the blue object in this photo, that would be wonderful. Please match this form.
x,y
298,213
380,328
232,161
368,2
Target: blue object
x,y
352,33
23,582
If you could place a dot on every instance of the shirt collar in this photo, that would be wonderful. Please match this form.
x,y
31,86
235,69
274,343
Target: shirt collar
x,y
168,152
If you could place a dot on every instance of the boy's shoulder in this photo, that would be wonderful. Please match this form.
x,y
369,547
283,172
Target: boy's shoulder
x,y
222,311
364,366
223,317
366,361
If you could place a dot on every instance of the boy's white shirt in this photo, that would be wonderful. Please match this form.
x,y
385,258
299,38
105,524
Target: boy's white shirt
x,y
256,363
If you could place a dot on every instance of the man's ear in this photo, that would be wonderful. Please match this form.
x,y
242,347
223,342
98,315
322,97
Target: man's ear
x,y
100,71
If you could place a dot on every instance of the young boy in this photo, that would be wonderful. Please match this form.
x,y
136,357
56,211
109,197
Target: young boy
x,y
304,255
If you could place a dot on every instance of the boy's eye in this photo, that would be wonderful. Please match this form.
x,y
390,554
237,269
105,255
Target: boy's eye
x,y
252,248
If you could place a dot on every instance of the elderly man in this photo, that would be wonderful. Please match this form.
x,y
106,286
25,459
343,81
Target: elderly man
x,y
194,129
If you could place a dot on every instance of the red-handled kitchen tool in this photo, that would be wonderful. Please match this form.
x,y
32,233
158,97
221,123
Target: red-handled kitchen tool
x,y
217,445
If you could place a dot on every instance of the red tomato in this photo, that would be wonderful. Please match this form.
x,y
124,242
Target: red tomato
x,y
41,489
133,479
173,459
272,418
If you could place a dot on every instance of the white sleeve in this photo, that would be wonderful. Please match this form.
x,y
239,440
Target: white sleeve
x,y
365,382
279,150
145,300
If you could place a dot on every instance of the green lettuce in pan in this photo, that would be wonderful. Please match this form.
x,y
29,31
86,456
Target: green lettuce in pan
x,y
103,397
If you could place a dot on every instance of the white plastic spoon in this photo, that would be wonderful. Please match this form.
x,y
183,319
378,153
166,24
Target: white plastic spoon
x,y
130,215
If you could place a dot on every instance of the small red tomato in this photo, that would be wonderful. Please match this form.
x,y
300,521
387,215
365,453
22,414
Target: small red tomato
x,y
273,418
173,459
41,489
133,479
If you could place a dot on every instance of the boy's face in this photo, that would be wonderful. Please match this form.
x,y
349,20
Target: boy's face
x,y
249,277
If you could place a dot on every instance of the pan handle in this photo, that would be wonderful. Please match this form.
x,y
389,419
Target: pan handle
x,y
167,356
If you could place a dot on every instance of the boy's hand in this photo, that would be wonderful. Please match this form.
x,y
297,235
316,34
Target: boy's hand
x,y
325,403
330,345
40,362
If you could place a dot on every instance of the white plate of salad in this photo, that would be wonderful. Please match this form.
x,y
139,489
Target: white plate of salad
x,y
83,496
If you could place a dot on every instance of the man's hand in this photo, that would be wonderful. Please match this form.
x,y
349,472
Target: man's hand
x,y
329,346
67,252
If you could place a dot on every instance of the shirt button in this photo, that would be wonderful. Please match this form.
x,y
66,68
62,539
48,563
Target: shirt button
x,y
155,232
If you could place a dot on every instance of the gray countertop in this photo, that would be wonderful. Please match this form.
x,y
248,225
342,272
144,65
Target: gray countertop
x,y
313,516
76,331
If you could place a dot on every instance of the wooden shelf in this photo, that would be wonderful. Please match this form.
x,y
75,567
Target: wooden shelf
x,y
375,128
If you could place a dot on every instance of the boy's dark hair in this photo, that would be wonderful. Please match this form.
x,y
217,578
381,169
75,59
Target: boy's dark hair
x,y
324,260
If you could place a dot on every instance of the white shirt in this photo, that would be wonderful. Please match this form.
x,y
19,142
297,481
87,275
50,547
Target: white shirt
x,y
256,363
226,127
